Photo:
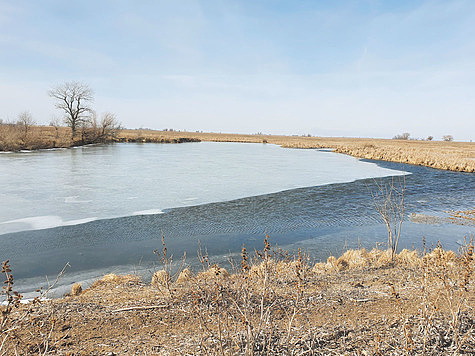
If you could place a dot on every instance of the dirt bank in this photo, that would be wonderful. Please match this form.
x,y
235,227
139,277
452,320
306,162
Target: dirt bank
x,y
362,303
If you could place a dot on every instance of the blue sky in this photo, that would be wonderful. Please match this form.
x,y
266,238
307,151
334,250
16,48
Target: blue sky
x,y
331,68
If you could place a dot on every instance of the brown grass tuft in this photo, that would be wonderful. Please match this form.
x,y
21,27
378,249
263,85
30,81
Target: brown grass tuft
x,y
376,258
213,272
76,289
353,259
409,258
114,279
160,279
184,276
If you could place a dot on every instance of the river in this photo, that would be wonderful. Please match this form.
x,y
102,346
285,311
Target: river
x,y
103,208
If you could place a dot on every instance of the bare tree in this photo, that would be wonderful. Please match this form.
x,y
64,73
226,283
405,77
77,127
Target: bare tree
x,y
89,128
25,121
109,125
389,203
448,138
73,99
430,138
403,136
93,131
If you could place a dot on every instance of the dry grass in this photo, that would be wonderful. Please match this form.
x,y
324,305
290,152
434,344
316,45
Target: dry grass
x,y
13,138
184,276
160,279
362,258
358,303
76,289
462,216
214,272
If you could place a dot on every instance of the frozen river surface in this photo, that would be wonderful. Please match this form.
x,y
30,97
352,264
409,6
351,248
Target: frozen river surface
x,y
65,187
104,208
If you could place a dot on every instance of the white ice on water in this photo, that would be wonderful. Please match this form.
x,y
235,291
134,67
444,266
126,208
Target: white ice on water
x,y
67,187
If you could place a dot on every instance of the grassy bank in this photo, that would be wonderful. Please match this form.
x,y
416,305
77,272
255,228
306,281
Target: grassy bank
x,y
15,138
454,156
360,303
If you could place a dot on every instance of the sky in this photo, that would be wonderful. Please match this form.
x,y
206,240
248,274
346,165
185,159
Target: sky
x,y
364,68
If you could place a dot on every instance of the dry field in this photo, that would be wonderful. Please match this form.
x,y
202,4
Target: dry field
x,y
362,303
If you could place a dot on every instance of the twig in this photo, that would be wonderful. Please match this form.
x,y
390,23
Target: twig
x,y
3,342
140,308
51,286
361,300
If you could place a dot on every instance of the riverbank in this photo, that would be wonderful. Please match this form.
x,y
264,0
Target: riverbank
x,y
14,138
359,303
453,156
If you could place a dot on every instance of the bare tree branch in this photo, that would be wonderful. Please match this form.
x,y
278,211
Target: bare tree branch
x,y
388,201
73,98
25,120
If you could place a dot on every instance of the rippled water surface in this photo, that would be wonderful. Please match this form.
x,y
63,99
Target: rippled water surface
x,y
103,208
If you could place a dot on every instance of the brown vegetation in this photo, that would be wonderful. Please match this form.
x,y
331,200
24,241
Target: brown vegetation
x,y
462,217
17,137
363,302
13,137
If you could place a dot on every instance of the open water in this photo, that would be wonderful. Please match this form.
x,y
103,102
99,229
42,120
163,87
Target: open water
x,y
103,208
